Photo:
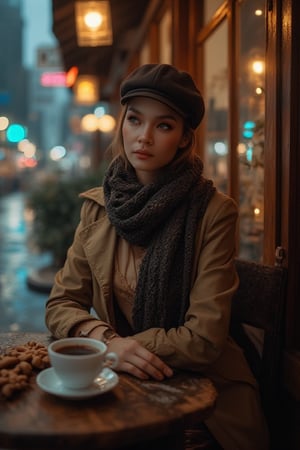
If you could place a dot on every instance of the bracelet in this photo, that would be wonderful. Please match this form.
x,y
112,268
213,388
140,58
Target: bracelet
x,y
108,335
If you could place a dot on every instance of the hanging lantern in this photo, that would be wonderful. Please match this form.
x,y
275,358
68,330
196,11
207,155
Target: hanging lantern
x,y
86,90
93,23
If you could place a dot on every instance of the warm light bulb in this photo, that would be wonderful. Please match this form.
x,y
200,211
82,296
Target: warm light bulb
x,y
93,20
241,148
258,66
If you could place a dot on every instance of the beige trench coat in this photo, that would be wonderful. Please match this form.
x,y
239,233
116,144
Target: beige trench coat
x,y
202,343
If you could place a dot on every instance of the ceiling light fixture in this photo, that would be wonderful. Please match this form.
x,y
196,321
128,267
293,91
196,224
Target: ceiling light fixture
x,y
93,23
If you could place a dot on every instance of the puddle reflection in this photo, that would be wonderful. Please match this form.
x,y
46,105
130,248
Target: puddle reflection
x,y
21,308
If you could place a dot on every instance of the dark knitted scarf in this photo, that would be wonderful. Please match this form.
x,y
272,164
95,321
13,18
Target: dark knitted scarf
x,y
162,217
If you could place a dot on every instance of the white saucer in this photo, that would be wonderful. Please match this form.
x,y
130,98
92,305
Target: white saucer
x,y
48,381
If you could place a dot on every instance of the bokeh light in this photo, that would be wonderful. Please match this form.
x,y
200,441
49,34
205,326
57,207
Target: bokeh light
x,y
106,123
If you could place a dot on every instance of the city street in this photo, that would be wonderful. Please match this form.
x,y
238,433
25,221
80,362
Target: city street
x,y
21,308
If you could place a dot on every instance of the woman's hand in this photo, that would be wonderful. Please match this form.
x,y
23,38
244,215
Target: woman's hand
x,y
137,360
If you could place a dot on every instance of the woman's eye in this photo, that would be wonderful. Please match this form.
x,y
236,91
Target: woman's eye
x,y
165,126
132,119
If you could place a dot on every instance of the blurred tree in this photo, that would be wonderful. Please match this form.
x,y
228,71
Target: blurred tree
x,y
56,211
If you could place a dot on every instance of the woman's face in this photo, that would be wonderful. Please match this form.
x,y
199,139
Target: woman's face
x,y
152,134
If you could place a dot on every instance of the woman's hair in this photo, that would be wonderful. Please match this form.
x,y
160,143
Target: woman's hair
x,y
186,153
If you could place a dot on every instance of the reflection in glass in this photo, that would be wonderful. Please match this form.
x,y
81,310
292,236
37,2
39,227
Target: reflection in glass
x,y
216,99
251,128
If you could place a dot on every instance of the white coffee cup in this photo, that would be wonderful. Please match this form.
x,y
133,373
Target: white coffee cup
x,y
78,360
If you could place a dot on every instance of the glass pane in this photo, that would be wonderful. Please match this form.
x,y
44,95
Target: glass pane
x,y
210,7
251,128
216,100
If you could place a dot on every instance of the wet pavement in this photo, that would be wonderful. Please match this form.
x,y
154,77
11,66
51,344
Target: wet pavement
x,y
21,308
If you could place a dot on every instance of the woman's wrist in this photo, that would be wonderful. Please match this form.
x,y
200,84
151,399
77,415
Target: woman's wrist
x,y
87,328
95,330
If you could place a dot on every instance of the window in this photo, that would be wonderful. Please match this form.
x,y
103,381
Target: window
x,y
216,93
231,70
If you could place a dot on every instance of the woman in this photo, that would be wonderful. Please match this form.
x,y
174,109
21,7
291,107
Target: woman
x,y
153,257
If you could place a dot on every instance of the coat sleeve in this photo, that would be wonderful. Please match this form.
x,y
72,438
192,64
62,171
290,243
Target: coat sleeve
x,y
70,300
200,341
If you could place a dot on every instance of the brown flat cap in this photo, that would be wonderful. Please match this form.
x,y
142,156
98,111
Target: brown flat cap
x,y
163,82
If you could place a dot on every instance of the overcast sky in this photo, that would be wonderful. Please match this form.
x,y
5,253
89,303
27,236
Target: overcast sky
x,y
37,18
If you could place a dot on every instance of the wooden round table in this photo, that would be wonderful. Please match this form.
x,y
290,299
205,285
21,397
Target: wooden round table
x,y
135,414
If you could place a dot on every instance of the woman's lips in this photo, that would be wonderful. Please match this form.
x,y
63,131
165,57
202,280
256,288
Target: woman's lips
x,y
141,154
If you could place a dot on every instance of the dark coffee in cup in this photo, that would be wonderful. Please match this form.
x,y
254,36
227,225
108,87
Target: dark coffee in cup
x,y
77,350
77,361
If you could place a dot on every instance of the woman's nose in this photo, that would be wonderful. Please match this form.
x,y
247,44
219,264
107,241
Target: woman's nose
x,y
146,137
